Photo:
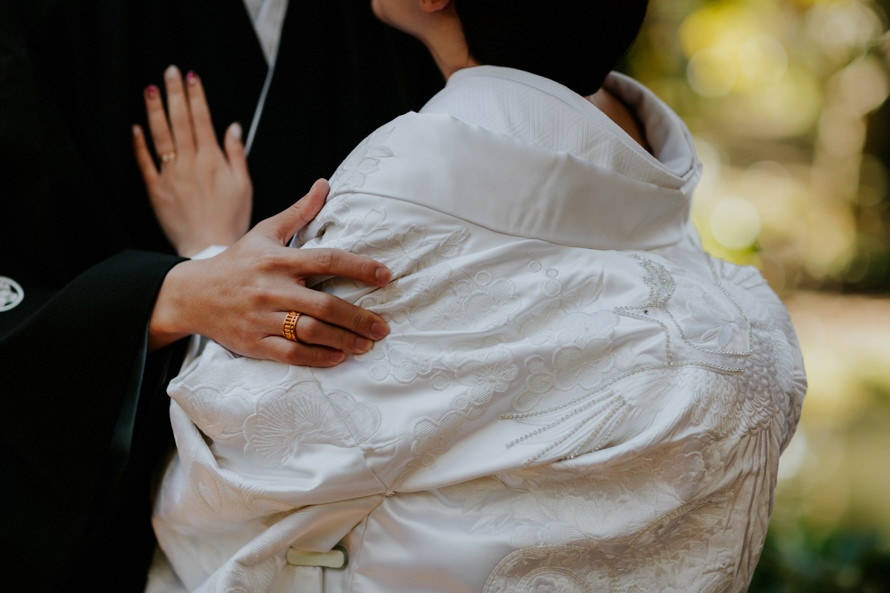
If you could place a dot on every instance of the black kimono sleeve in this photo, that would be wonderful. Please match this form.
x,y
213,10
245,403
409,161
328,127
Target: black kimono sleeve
x,y
77,392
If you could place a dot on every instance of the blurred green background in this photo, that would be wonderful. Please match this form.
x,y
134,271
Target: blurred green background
x,y
787,102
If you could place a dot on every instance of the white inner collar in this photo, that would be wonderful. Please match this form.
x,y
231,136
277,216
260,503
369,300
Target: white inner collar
x,y
267,17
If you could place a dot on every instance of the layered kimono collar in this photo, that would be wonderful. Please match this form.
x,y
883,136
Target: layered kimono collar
x,y
524,155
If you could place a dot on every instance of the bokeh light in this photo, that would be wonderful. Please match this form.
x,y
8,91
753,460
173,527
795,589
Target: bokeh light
x,y
735,223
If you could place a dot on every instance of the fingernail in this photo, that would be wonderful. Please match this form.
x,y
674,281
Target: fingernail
x,y
191,78
151,91
337,356
379,330
362,345
137,131
236,131
171,72
382,276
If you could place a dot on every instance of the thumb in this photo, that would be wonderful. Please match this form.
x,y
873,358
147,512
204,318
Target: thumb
x,y
234,147
288,223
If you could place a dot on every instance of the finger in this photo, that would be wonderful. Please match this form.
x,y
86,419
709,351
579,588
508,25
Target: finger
x,y
334,311
177,106
201,121
286,224
157,122
143,157
235,151
335,262
281,350
311,331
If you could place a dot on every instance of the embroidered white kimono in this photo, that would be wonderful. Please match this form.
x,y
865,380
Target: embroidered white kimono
x,y
574,396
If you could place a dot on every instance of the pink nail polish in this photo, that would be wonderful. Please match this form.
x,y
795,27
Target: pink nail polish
x,y
151,91
191,77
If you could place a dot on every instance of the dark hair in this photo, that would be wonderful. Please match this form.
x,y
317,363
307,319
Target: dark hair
x,y
574,42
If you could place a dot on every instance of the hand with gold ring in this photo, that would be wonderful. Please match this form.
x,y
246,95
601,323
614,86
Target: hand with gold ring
x,y
200,194
252,298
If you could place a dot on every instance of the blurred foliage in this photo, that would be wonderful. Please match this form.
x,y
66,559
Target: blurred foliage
x,y
786,100
832,562
783,97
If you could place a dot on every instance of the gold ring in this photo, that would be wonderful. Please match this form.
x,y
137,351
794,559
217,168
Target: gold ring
x,y
166,157
289,327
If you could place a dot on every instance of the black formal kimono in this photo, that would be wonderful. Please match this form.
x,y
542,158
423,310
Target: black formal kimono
x,y
82,406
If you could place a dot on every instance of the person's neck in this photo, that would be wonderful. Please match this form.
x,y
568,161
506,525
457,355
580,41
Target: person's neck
x,y
450,53
619,113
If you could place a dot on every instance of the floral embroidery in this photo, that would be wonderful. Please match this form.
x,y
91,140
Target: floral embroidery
x,y
480,300
362,161
484,379
303,414
402,361
493,375
584,359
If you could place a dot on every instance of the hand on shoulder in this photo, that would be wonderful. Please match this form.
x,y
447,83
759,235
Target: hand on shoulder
x,y
241,297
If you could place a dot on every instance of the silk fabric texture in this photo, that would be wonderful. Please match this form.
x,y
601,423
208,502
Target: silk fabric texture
x,y
574,396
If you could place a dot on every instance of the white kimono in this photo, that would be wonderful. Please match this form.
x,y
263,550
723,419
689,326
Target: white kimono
x,y
574,396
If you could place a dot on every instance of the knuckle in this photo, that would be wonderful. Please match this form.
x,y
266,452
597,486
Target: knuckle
x,y
295,355
326,307
267,260
308,356
256,297
346,341
362,320
307,329
321,357
324,258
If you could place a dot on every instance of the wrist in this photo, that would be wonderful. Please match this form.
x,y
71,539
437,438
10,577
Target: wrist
x,y
205,240
169,319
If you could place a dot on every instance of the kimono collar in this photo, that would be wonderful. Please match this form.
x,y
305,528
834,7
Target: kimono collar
x,y
523,155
